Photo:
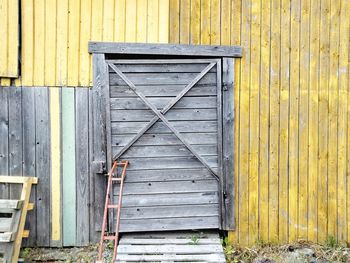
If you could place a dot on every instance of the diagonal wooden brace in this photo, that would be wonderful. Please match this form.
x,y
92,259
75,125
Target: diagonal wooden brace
x,y
161,116
164,110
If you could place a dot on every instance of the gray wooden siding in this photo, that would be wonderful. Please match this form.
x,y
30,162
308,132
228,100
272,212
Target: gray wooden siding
x,y
25,151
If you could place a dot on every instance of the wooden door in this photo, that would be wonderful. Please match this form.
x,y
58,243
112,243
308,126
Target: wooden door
x,y
165,117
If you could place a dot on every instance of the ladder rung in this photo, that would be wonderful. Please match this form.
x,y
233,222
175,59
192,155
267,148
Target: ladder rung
x,y
113,206
116,179
109,238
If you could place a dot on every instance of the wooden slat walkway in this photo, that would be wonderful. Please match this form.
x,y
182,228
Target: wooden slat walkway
x,y
189,246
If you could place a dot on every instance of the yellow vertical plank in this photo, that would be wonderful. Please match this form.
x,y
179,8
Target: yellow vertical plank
x,y
55,164
108,20
195,22
4,32
205,22
274,120
174,21
163,21
185,11
73,43
27,42
236,40
152,21
130,22
254,123
313,119
215,22
294,121
264,124
13,41
243,184
50,43
85,29
333,120
141,34
225,22
119,27
283,219
62,43
322,200
303,118
39,42
342,120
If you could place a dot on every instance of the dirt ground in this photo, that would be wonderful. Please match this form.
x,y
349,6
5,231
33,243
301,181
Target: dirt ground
x,y
301,252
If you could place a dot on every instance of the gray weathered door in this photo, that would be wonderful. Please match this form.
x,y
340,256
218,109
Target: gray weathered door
x,y
164,116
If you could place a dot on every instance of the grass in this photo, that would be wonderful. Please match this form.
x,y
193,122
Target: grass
x,y
331,251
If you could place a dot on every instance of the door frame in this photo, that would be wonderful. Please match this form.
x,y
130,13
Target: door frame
x,y
101,51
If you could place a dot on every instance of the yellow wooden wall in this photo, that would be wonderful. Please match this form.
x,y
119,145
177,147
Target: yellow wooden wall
x,y
55,35
292,130
9,32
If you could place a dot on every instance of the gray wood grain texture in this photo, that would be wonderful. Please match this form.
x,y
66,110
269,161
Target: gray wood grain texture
x,y
161,102
82,165
166,139
161,79
4,146
160,127
171,115
162,224
166,151
165,49
15,138
163,66
168,175
163,90
42,157
29,162
165,199
99,134
228,146
171,187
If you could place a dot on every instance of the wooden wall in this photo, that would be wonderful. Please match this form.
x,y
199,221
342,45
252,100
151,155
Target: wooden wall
x,y
45,133
292,157
55,33
9,32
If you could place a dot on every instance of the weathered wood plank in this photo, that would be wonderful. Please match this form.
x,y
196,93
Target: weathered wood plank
x,y
169,211
15,138
29,162
164,49
42,157
10,204
163,224
4,146
180,234
213,257
163,66
193,186
160,127
161,79
228,158
174,249
167,175
165,199
169,162
68,167
163,90
166,139
164,241
6,224
160,103
165,151
82,165
99,132
171,115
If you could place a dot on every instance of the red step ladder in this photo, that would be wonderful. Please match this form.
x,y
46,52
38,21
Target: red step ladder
x,y
110,205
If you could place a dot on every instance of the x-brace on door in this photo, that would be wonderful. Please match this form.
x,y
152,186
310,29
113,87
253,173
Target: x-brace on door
x,y
166,117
